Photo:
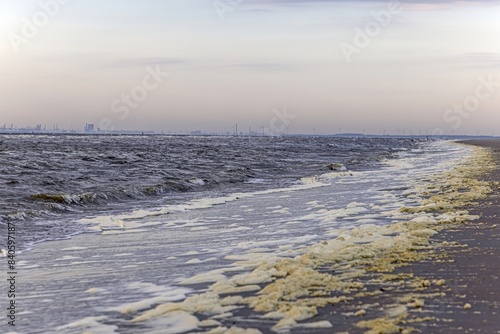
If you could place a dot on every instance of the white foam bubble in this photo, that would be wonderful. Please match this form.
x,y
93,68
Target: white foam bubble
x,y
91,325
175,322
160,294
75,248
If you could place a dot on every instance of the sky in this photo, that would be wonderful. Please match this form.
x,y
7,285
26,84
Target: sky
x,y
322,67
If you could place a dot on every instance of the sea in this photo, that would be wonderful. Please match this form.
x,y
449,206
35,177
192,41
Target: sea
x,y
108,227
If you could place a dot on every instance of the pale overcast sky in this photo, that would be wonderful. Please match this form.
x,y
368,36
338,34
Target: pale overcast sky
x,y
332,64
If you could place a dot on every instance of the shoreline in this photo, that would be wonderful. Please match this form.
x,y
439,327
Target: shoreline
x,y
464,270
476,269
471,303
332,285
447,286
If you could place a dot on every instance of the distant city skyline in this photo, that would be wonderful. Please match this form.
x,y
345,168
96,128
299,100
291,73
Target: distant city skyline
x,y
282,65
91,128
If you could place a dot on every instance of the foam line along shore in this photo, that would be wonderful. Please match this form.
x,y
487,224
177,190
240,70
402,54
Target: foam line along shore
x,y
452,286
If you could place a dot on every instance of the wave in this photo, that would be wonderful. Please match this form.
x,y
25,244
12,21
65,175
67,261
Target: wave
x,y
65,198
67,175
336,167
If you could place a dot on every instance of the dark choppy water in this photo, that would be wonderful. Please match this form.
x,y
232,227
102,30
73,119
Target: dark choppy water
x,y
47,182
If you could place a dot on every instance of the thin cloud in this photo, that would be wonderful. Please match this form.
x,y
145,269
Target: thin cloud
x,y
478,59
141,62
262,66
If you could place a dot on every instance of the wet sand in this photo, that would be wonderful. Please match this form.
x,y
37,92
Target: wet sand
x,y
474,273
